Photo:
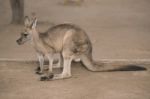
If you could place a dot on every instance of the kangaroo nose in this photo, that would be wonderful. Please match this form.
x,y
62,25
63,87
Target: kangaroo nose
x,y
18,42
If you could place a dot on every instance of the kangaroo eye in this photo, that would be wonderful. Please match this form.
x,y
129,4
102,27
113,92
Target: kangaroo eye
x,y
25,34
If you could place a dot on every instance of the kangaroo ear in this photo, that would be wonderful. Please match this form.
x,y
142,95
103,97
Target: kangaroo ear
x,y
34,23
33,16
27,21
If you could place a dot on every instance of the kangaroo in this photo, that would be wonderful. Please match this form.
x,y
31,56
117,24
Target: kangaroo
x,y
69,40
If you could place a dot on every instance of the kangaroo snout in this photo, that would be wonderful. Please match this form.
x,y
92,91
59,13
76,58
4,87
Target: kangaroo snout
x,y
18,41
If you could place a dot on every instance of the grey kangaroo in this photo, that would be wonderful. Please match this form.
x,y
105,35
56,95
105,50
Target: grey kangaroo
x,y
69,40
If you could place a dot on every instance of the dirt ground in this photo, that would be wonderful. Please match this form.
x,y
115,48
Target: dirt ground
x,y
18,81
119,30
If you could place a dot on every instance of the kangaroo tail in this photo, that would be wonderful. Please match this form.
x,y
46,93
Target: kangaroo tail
x,y
105,67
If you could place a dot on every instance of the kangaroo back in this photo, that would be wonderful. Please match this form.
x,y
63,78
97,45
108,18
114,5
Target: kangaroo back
x,y
66,35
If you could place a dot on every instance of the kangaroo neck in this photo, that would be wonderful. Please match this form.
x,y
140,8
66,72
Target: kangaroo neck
x,y
35,36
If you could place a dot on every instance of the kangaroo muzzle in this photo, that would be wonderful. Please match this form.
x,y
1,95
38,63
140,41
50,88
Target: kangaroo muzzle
x,y
19,41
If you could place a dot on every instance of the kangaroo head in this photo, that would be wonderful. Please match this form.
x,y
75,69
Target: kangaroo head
x,y
29,28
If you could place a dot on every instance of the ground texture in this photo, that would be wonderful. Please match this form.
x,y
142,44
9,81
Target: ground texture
x,y
18,81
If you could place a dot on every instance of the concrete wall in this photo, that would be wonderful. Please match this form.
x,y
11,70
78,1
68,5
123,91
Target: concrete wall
x,y
105,13
117,28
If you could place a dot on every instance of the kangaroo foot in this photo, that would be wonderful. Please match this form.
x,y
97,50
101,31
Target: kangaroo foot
x,y
37,69
47,78
61,76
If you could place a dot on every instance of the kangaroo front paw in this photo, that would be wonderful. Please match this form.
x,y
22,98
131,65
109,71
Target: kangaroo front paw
x,y
39,72
38,69
47,78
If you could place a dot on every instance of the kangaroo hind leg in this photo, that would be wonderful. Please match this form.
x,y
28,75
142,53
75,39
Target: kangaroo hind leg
x,y
66,73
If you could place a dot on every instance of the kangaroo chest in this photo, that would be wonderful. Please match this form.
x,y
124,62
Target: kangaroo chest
x,y
40,48
47,46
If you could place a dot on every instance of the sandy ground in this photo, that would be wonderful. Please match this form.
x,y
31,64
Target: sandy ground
x,y
118,29
18,81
